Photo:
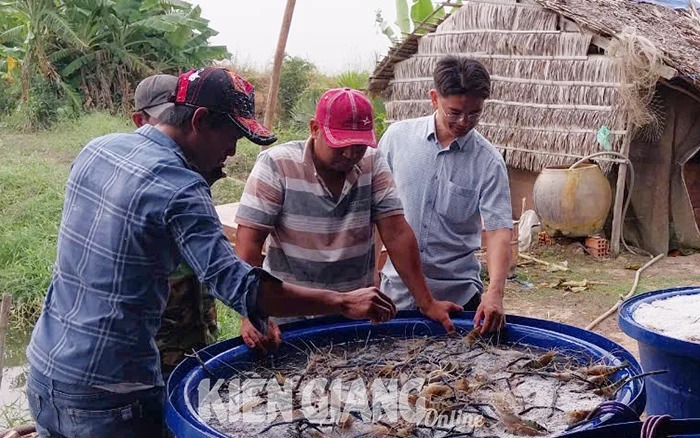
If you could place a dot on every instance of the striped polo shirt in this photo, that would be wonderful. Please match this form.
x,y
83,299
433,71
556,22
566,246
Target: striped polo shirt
x,y
316,240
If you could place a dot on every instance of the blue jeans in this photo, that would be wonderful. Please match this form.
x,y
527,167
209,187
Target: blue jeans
x,y
63,410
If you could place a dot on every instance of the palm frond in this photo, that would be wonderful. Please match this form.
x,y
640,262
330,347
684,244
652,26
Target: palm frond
x,y
17,33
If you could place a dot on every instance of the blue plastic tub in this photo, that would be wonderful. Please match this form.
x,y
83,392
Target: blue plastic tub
x,y
182,387
674,428
676,392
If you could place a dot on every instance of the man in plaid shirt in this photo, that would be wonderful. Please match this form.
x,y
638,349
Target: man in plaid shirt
x,y
133,203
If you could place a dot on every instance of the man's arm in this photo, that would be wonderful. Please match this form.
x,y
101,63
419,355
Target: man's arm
x,y
377,257
276,298
257,215
497,216
194,226
400,243
249,244
249,247
498,263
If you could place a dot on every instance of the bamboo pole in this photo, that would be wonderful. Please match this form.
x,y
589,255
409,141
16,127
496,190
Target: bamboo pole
x,y
552,266
614,308
4,322
277,66
619,221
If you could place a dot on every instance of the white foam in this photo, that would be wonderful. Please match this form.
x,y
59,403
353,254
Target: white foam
x,y
677,317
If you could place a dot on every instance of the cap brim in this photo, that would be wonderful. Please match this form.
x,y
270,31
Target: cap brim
x,y
340,138
254,130
157,110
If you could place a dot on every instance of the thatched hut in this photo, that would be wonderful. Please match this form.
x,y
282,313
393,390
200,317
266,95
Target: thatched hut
x,y
559,79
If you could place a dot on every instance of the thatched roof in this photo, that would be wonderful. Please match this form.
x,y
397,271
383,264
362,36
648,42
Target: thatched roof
x,y
675,33
551,93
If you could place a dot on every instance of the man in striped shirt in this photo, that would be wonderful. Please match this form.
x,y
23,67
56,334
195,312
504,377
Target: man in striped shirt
x,y
318,201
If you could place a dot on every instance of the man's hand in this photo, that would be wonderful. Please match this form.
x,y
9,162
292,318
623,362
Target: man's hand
x,y
489,314
440,311
256,340
367,303
377,282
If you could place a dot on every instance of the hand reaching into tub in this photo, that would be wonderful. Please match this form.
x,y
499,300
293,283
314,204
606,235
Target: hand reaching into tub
x,y
284,299
256,340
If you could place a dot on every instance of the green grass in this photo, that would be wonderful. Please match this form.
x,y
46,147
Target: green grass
x,y
33,172
12,415
229,321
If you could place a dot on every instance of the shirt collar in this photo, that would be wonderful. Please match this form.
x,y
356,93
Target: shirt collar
x,y
458,143
157,136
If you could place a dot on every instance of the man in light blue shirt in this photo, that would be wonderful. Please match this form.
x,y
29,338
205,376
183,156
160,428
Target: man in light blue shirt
x,y
453,184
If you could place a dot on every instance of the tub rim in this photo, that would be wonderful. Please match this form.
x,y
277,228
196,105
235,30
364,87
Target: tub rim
x,y
186,373
644,335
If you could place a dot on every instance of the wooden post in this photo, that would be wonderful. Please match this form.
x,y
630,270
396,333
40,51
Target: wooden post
x,y
619,221
4,323
277,66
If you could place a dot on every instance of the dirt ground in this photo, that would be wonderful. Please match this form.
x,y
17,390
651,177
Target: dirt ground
x,y
611,280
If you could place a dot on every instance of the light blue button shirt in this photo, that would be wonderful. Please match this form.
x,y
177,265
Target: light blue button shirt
x,y
448,194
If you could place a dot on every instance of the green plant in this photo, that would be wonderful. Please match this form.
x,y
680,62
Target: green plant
x,y
353,79
305,108
409,19
294,79
12,414
45,105
228,320
95,51
9,96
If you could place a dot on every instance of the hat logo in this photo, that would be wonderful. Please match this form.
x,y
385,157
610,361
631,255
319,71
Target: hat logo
x,y
366,121
194,76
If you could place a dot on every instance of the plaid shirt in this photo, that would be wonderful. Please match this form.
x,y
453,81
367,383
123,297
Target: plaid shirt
x,y
132,206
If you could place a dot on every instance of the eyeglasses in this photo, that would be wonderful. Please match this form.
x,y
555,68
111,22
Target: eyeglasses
x,y
454,118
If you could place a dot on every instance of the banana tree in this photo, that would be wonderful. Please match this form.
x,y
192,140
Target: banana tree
x,y
101,48
40,23
410,17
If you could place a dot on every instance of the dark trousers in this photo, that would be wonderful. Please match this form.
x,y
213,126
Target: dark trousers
x,y
63,410
473,304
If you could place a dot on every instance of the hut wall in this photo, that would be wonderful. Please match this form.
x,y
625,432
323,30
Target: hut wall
x,y
686,146
549,96
662,211
521,184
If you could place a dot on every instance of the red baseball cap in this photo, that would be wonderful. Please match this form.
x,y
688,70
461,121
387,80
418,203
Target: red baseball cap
x,y
224,91
346,117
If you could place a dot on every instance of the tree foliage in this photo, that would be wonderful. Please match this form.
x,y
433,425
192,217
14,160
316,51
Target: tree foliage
x,y
409,18
294,79
95,51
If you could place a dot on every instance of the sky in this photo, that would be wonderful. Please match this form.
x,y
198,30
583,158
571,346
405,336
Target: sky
x,y
336,35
